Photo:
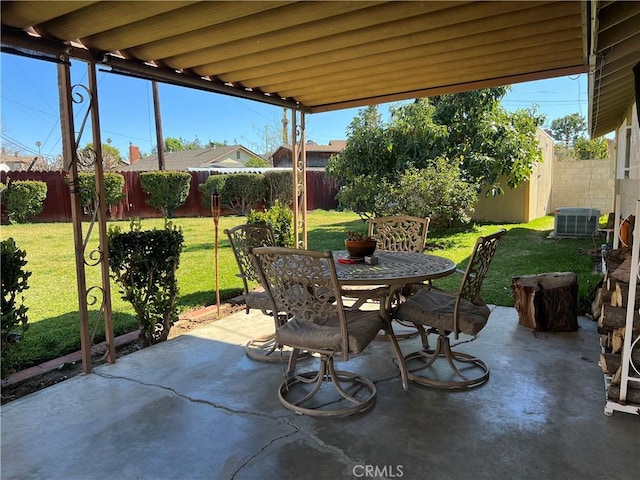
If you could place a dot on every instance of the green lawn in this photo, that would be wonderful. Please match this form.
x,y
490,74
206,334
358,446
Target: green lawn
x,y
52,296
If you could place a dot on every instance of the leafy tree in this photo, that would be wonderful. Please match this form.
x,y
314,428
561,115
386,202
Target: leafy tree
x,y
256,162
436,191
585,149
478,138
486,139
562,152
173,144
212,143
111,158
568,128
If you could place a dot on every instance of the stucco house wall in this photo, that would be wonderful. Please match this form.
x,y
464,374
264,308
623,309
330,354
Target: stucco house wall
x,y
627,182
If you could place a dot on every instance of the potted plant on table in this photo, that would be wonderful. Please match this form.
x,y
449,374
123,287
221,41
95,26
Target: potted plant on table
x,y
359,245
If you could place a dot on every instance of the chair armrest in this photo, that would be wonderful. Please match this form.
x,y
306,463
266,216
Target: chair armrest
x,y
374,293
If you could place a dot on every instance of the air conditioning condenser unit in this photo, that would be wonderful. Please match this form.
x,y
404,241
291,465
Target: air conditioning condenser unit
x,y
575,222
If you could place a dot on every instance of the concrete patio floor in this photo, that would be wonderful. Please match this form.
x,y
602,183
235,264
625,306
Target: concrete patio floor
x,y
196,407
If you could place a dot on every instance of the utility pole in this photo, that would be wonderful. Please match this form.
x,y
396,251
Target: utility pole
x,y
159,139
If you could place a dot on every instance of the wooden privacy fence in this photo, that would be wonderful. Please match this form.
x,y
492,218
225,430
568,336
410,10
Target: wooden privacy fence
x,y
321,193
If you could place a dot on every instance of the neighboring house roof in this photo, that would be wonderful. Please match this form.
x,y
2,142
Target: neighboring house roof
x,y
185,159
15,162
335,146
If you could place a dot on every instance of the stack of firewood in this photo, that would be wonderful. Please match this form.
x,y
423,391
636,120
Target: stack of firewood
x,y
611,308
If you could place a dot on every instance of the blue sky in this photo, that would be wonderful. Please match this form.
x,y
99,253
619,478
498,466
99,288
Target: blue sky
x,y
30,112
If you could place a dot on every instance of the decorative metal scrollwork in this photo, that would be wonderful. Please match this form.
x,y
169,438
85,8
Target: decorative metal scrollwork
x,y
86,157
93,258
94,295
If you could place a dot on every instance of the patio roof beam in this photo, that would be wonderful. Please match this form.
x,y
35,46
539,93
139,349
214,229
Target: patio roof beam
x,y
19,39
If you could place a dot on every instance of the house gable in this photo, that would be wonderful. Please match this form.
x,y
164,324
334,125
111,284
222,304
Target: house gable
x,y
317,155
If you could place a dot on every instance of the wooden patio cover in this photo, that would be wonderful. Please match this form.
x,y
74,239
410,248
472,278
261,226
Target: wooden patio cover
x,y
322,56
312,56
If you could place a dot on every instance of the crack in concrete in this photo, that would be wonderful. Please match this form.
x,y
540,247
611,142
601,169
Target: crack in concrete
x,y
186,397
337,452
280,420
296,430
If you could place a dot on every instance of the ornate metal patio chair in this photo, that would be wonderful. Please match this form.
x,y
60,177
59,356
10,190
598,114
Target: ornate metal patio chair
x,y
400,233
396,233
444,313
304,284
241,238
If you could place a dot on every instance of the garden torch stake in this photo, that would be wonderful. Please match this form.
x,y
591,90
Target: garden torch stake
x,y
215,213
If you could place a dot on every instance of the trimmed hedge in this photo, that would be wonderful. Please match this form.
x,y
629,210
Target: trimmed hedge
x,y
14,312
113,189
280,218
144,265
238,191
279,186
167,190
25,199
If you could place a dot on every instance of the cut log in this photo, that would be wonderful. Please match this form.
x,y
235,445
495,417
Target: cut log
x,y
633,395
623,272
596,305
615,380
617,340
547,302
617,293
614,258
610,363
616,317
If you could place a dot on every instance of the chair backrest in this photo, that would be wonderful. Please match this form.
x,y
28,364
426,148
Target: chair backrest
x,y
303,284
400,233
243,237
476,270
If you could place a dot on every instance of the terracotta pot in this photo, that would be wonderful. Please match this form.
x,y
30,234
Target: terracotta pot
x,y
360,248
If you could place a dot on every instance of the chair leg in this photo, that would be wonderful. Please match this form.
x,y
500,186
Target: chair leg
x,y
397,298
357,390
476,371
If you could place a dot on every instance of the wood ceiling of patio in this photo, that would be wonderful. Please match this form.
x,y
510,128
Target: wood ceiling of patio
x,y
315,56
322,56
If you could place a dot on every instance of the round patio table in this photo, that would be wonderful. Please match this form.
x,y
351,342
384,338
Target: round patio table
x,y
392,272
393,268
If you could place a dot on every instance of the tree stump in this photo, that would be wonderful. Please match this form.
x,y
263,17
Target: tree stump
x,y
547,302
